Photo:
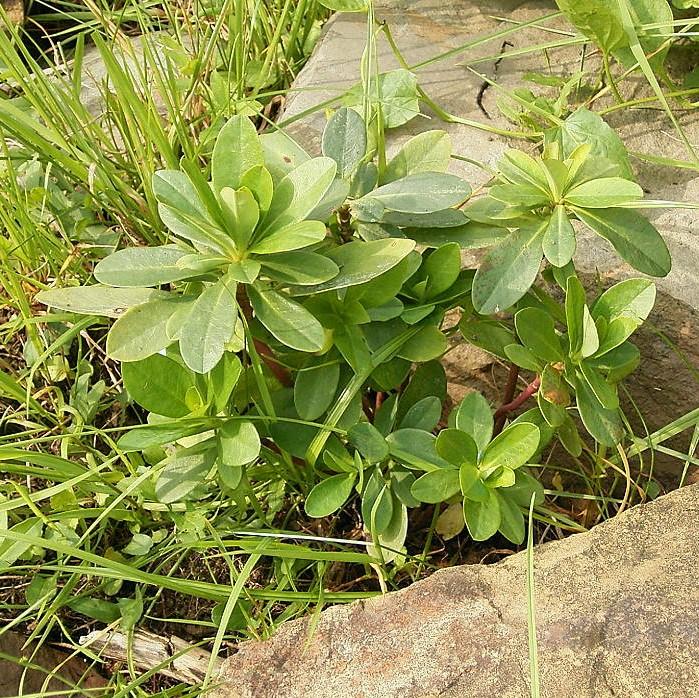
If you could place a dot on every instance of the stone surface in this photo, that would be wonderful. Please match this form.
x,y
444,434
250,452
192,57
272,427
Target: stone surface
x,y
424,29
52,670
617,615
14,10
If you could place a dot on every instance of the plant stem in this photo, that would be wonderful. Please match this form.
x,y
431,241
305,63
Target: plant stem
x,y
510,388
520,399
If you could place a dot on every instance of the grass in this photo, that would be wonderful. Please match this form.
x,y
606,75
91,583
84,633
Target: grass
x,y
75,184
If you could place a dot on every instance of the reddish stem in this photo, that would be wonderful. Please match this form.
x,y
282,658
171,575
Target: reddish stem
x,y
520,399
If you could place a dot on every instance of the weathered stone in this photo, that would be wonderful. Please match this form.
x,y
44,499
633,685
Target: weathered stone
x,y
617,615
14,9
424,29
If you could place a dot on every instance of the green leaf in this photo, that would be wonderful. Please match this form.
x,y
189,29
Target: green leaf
x,y
437,486
300,268
520,168
537,332
315,388
360,262
236,151
513,447
174,189
489,335
441,269
416,449
483,518
424,414
290,237
209,326
141,331
582,333
508,271
223,379
288,321
511,518
632,236
457,447
396,92
259,181
299,193
142,266
241,213
472,486
99,300
145,437
624,307
369,441
238,443
344,140
586,127
475,417
522,357
604,192
429,343
422,192
604,425
525,485
197,229
559,241
329,495
604,392
377,503
182,473
159,384
429,151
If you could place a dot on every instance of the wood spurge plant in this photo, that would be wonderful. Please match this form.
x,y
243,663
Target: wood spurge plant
x,y
295,319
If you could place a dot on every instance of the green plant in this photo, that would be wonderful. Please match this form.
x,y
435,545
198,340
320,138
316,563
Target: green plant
x,y
298,306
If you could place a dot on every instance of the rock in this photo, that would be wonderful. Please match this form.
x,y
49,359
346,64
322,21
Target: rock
x,y
423,29
617,615
14,10
52,670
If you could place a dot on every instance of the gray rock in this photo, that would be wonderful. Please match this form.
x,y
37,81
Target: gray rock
x,y
426,28
617,615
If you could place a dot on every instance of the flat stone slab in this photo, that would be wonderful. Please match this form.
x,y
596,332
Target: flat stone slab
x,y
617,615
423,29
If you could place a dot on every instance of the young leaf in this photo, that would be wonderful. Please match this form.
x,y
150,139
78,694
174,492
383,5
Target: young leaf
x,y
174,189
457,447
182,474
483,518
632,236
315,388
508,271
241,213
290,237
603,424
209,326
441,269
300,268
582,333
141,331
422,192
99,300
605,192
632,299
344,140
536,330
437,486
236,151
288,321
424,414
475,417
238,443
360,262
604,392
429,151
416,449
559,241
513,447
511,518
369,441
142,266
159,384
299,193
329,495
